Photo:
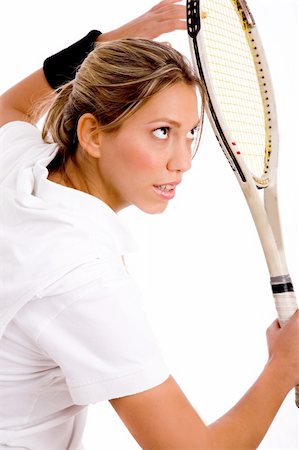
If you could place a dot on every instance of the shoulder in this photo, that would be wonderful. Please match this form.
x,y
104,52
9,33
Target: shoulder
x,y
21,145
18,139
17,130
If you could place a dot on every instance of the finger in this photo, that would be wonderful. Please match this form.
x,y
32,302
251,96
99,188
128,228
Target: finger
x,y
275,325
164,27
273,328
171,12
163,3
172,25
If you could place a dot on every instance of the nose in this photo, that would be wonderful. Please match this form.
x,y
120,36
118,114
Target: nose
x,y
181,158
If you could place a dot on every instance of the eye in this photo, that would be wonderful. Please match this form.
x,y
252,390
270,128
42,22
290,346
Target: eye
x,y
161,133
193,134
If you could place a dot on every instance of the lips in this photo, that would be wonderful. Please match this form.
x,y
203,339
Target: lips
x,y
167,190
166,187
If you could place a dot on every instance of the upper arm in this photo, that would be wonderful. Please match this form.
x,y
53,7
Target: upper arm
x,y
21,102
162,418
10,114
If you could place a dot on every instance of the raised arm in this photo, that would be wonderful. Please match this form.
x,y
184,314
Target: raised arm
x,y
163,419
22,101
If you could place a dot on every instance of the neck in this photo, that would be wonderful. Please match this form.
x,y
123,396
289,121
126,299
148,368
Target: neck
x,y
70,176
84,176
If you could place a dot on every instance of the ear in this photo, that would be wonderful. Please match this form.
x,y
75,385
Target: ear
x,y
89,135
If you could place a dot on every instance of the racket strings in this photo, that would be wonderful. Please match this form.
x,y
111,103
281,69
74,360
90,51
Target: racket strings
x,y
235,81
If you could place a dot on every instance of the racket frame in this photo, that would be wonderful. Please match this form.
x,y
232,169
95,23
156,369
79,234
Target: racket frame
x,y
265,213
260,193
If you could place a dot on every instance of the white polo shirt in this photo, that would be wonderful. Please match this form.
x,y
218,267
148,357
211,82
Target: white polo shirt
x,y
73,328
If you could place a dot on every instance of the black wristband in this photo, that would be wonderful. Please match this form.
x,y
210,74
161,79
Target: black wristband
x,y
61,67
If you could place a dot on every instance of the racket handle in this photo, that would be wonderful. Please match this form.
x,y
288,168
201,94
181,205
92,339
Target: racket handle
x,y
284,297
286,305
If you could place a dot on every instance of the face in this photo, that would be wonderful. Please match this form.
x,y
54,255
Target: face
x,y
143,162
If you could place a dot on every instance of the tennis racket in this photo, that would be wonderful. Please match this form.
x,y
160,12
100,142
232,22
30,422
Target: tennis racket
x,y
228,55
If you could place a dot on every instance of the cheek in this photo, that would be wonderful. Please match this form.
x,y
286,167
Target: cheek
x,y
143,162
141,156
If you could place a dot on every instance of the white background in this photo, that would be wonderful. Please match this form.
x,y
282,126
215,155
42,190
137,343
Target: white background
x,y
200,265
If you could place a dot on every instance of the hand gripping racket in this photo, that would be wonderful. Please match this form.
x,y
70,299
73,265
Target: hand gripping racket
x,y
229,58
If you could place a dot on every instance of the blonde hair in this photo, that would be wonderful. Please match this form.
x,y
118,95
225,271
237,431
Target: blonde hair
x,y
113,82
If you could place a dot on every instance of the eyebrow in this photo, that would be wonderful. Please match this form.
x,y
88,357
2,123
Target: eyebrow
x,y
172,122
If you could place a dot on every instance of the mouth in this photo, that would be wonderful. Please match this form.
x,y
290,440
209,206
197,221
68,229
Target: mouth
x,y
166,191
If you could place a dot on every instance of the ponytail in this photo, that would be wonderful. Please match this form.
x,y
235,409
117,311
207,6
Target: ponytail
x,y
58,126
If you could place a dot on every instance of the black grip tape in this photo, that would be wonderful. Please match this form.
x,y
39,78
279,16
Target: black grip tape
x,y
282,287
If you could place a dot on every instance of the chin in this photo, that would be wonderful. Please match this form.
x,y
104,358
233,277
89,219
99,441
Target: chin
x,y
153,209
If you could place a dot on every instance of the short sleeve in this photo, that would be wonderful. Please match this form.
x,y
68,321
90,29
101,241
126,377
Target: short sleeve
x,y
103,343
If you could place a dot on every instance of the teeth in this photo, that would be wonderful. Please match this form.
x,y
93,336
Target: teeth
x,y
165,187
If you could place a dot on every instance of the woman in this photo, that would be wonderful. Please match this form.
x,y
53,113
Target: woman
x,y
122,131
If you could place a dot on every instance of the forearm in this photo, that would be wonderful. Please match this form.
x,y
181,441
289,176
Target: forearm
x,y
245,425
30,99
21,102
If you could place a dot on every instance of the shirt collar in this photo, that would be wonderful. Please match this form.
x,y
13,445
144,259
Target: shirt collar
x,y
92,210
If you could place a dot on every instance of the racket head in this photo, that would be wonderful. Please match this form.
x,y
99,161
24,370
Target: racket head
x,y
228,54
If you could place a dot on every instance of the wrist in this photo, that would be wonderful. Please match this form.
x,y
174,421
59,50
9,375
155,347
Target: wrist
x,y
280,374
129,30
111,35
105,37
